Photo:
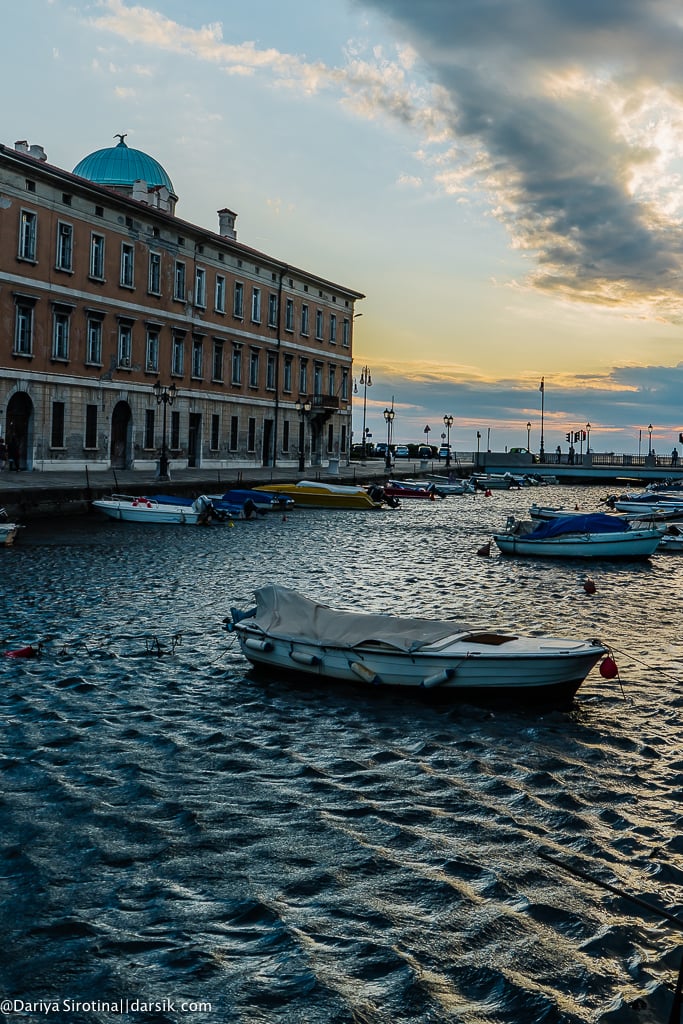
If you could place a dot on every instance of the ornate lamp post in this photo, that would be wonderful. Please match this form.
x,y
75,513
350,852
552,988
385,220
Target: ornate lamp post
x,y
478,440
588,438
303,408
389,417
528,436
166,394
448,423
649,429
366,381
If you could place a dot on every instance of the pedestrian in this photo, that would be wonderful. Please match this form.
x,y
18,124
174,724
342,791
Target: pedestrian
x,y
571,454
558,452
674,457
3,454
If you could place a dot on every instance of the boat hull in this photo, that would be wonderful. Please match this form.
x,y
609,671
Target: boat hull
x,y
146,511
634,544
311,495
545,672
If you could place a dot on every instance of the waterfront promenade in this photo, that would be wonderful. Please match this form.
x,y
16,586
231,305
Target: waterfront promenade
x,y
29,494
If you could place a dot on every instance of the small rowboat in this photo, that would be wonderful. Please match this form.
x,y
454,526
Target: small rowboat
x,y
290,633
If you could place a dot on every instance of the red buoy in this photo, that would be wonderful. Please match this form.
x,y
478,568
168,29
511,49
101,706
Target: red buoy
x,y
589,587
484,550
608,668
23,652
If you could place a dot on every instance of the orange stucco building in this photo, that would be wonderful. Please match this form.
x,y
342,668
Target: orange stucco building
x,y
105,292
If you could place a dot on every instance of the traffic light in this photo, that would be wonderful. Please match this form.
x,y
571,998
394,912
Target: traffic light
x,y
568,436
583,435
680,438
577,435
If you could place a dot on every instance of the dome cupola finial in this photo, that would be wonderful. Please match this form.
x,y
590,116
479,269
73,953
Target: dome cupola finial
x,y
121,137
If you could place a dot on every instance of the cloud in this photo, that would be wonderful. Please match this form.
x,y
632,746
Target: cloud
x,y
569,116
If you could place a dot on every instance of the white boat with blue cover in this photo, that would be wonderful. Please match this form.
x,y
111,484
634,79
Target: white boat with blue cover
x,y
286,632
591,536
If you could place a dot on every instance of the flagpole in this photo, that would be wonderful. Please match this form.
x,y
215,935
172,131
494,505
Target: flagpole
x,y
541,453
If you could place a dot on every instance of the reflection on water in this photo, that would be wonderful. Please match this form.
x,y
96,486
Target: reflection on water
x,y
177,831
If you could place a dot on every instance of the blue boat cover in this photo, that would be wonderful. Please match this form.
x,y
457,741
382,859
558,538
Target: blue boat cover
x,y
594,522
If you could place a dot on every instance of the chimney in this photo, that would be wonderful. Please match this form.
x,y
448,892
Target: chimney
x,y
21,146
226,224
38,153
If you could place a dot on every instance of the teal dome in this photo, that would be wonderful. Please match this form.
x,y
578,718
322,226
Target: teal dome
x,y
120,167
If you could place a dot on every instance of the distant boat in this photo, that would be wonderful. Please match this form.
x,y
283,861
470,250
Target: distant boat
x,y
591,536
286,631
316,494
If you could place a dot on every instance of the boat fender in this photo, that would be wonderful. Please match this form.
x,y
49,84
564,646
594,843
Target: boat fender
x,y
142,501
364,672
487,493
304,658
439,678
609,668
589,586
258,645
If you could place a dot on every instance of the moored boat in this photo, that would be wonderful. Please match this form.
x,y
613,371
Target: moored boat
x,y
141,509
412,489
591,536
318,494
286,631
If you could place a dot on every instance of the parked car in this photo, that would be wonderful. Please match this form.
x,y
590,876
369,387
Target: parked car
x,y
425,452
402,451
381,448
444,451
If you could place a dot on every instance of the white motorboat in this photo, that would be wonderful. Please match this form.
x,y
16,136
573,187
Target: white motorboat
x,y
588,536
141,509
288,632
494,481
447,486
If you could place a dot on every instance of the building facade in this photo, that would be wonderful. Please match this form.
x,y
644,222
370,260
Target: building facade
x,y
104,293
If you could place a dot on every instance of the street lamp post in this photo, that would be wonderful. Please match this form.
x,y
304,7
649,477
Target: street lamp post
x,y
649,429
165,394
588,438
448,422
389,418
528,436
303,408
366,381
478,440
541,450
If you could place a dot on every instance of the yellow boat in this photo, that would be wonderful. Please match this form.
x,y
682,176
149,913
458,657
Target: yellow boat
x,y
314,494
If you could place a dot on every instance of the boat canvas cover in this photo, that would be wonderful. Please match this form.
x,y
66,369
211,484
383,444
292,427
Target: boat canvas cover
x,y
594,522
283,613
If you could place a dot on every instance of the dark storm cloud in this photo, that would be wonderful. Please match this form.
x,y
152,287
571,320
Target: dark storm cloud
x,y
541,86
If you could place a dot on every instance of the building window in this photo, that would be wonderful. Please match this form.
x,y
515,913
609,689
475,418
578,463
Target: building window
x,y
287,374
127,265
342,440
345,385
125,351
60,334
94,341
319,325
285,436
331,374
23,331
272,310
238,301
90,427
303,377
217,365
289,315
219,300
57,427
200,287
304,320
178,357
154,282
346,332
65,246
215,432
256,305
97,257
253,368
179,282
152,350
28,232
317,380
251,435
175,431
197,358
237,365
330,438
234,432
148,441
333,328
270,371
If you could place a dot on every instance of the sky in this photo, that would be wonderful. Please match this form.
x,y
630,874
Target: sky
x,y
502,179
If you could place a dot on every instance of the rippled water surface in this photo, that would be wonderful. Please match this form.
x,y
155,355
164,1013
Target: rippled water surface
x,y
240,849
